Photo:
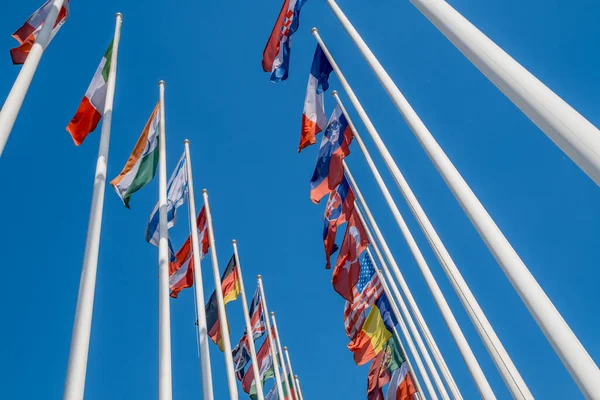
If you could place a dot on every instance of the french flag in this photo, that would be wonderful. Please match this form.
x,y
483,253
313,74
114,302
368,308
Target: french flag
x,y
276,56
337,212
335,146
314,118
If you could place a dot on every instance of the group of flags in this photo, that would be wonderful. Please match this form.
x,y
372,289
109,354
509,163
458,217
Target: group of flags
x,y
368,319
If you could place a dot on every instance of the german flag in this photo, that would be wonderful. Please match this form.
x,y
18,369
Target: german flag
x,y
230,285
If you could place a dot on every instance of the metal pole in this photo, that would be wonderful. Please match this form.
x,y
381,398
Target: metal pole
x,y
507,369
80,342
299,388
223,322
457,334
568,129
165,377
14,101
568,347
272,348
281,357
400,320
207,386
249,334
289,364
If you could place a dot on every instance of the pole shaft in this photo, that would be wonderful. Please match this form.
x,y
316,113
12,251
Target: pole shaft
x,y
289,364
299,388
249,335
568,129
568,347
223,322
80,342
14,101
165,377
272,348
207,386
281,356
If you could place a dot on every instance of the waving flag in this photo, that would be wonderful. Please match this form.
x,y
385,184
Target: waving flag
x,y
314,118
338,210
389,319
177,189
402,386
28,33
366,292
241,357
180,276
141,166
91,109
382,368
265,363
257,316
347,268
372,338
276,56
335,146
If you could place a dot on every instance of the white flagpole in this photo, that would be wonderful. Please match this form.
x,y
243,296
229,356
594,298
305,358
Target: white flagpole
x,y
397,314
568,347
299,388
403,327
568,129
411,301
455,330
289,364
80,342
507,369
249,334
165,377
270,338
17,94
207,386
224,324
281,355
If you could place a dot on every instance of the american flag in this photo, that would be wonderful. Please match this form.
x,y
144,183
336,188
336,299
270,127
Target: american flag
x,y
366,292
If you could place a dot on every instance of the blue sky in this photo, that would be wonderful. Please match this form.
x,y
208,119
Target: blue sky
x,y
244,134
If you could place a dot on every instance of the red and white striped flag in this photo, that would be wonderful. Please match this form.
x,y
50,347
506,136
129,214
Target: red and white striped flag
x,y
28,33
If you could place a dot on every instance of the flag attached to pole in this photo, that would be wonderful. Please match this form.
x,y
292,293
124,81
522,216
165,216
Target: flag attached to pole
x,y
335,146
382,368
314,118
177,189
371,340
181,270
91,109
276,56
241,357
230,285
142,163
337,212
257,316
265,363
402,386
366,293
28,33
347,268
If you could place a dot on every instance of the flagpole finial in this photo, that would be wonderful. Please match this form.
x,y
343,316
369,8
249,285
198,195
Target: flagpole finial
x,y
161,83
205,191
334,93
259,277
186,141
119,15
285,348
314,29
272,313
234,241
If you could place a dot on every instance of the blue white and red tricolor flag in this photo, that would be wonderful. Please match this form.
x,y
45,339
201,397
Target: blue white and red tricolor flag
x,y
366,293
276,56
335,146
314,118
338,211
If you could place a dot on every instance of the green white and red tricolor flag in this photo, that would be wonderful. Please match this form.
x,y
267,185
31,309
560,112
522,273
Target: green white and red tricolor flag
x,y
142,163
91,109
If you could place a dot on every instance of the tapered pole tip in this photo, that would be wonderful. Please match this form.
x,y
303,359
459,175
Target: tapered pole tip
x,y
285,348
205,191
272,313
314,29
119,15
234,241
334,93
259,277
186,141
161,83
296,376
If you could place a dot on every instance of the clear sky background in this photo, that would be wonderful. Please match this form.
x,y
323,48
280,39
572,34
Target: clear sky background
x,y
244,133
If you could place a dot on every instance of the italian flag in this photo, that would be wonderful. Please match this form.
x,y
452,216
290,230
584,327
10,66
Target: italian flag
x,y
91,109
142,163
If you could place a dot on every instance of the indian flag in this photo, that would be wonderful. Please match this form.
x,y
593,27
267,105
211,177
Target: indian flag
x,y
91,109
142,163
